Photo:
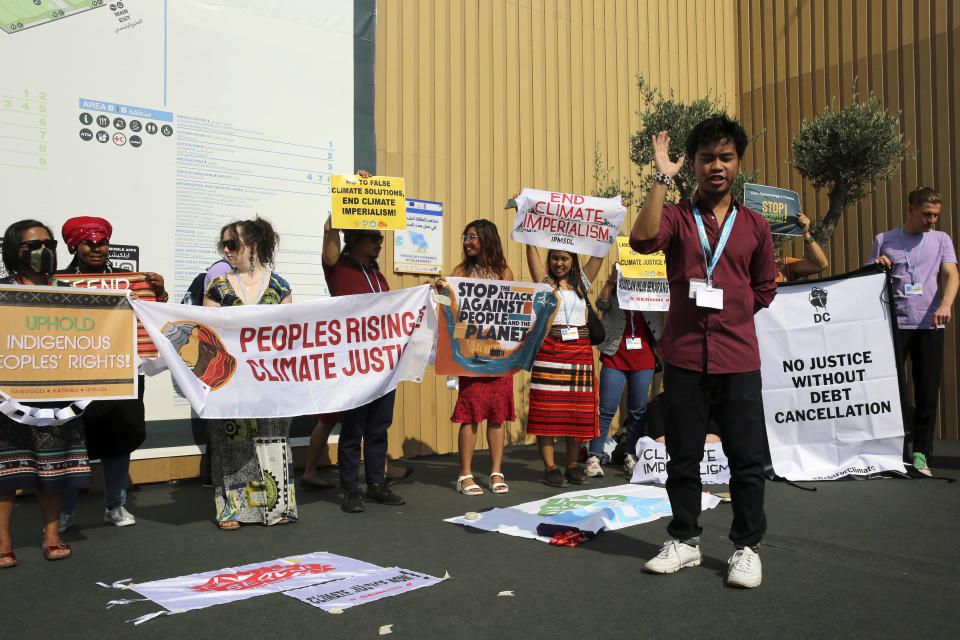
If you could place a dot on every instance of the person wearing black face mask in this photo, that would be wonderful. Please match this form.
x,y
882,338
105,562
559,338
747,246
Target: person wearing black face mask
x,y
29,256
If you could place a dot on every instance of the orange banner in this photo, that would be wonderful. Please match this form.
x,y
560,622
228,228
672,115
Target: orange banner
x,y
63,344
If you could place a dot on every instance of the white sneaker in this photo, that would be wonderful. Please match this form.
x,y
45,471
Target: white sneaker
x,y
629,462
594,470
119,516
674,555
67,520
744,568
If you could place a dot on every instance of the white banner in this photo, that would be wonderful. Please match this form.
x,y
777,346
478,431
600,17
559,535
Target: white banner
x,y
588,510
343,594
200,590
566,221
831,396
652,463
642,294
318,356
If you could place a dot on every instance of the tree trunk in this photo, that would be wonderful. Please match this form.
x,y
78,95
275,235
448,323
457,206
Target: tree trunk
x,y
837,195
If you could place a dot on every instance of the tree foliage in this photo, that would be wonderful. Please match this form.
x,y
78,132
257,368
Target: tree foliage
x,y
661,113
848,151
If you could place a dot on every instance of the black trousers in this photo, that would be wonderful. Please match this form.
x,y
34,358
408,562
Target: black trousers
x,y
925,349
733,400
364,426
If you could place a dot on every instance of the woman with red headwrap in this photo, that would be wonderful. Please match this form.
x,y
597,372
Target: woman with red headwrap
x,y
114,428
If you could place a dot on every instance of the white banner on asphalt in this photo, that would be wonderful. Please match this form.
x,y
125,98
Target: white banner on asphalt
x,y
831,395
201,590
587,510
652,459
343,594
569,222
318,356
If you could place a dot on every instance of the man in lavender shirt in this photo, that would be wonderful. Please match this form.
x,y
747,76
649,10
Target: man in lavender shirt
x,y
925,280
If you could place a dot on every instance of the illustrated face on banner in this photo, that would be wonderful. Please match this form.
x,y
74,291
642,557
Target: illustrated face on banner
x,y
201,349
716,166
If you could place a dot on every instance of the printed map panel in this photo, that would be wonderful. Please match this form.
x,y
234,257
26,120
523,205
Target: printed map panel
x,y
17,15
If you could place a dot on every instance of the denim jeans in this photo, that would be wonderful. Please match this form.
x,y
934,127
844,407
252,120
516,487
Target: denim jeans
x,y
115,472
611,389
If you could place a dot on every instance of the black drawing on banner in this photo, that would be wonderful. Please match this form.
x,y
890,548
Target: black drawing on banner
x,y
103,121
86,135
86,118
151,128
135,125
166,130
119,123
135,141
818,298
102,136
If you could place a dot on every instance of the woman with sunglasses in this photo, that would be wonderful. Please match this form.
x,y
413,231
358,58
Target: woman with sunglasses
x,y
238,477
486,398
113,428
349,270
49,460
563,396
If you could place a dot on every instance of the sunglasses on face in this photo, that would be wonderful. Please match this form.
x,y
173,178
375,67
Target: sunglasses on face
x,y
469,237
33,245
228,245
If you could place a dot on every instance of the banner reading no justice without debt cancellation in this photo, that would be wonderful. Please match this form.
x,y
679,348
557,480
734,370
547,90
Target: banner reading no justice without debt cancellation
x,y
566,221
492,327
831,393
64,344
318,356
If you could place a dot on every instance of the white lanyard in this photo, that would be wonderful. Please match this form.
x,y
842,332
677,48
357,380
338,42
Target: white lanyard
x,y
260,288
710,257
379,288
566,311
916,259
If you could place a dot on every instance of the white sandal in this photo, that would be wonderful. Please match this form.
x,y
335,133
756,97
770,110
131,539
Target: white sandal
x,y
468,491
498,487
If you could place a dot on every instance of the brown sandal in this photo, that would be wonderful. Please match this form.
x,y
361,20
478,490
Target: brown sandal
x,y
8,559
57,551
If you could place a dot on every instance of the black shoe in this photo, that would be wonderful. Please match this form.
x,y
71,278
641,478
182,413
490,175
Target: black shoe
x,y
383,494
575,475
554,478
352,501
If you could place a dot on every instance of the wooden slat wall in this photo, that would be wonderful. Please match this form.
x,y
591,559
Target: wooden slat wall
x,y
479,98
796,55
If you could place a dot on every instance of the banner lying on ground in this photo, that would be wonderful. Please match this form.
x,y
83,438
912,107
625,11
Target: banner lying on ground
x,y
135,282
318,356
781,207
372,585
201,590
831,393
579,224
372,203
63,344
588,510
652,463
492,327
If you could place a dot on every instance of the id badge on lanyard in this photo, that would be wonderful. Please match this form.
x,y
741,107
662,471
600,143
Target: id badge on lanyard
x,y
706,295
570,333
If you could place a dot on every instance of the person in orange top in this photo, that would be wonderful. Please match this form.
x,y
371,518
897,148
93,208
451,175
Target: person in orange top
x,y
815,262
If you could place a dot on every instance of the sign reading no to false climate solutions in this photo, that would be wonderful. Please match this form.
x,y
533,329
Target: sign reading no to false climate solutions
x,y
377,202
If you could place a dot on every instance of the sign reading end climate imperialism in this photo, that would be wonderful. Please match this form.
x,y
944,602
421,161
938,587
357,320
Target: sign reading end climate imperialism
x,y
569,222
377,202
64,344
492,327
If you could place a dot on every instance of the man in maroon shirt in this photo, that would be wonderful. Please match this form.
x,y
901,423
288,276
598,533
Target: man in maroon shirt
x,y
721,271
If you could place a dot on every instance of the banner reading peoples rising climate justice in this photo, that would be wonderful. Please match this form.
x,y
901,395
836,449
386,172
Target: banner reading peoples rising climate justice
x,y
492,327
318,356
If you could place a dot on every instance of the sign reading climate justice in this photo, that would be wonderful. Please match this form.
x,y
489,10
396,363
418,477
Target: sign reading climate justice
x,y
492,327
566,221
642,283
780,207
831,395
63,344
377,202
135,282
318,356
